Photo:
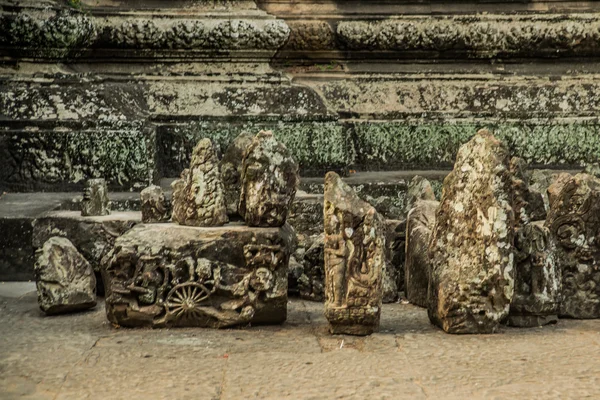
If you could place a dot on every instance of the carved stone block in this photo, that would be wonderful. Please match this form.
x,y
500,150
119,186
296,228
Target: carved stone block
x,y
355,254
269,182
574,224
155,207
168,275
537,279
65,280
95,198
419,224
472,275
198,197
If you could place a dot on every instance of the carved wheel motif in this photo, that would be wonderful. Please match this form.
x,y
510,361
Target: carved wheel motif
x,y
184,299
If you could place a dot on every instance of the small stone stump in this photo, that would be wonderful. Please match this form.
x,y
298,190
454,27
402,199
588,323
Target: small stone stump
x,y
355,255
537,279
65,280
95,200
574,224
419,224
155,207
169,275
472,274
198,196
269,182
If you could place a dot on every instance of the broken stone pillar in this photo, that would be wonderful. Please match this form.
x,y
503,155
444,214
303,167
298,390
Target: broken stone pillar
x,y
528,203
310,283
198,198
417,266
168,275
65,280
537,279
155,207
574,224
95,198
355,255
231,171
419,188
472,274
269,182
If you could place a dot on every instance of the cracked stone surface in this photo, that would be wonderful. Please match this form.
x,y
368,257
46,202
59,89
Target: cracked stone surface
x,y
298,359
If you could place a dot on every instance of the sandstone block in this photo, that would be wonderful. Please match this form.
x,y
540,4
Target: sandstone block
x,y
95,198
154,205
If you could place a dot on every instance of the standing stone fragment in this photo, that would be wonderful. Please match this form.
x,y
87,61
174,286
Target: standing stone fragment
x,y
574,224
269,182
65,280
417,267
354,260
557,186
198,198
419,188
231,171
155,207
528,204
396,247
472,275
537,279
95,198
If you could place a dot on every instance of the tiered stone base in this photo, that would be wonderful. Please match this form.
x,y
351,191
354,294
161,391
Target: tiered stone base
x,y
353,321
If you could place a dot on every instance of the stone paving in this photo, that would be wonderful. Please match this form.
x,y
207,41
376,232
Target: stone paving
x,y
81,356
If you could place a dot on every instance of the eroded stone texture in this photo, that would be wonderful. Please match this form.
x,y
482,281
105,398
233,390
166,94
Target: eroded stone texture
x,y
574,224
95,198
311,282
419,188
556,187
198,197
269,182
537,278
419,224
472,275
168,275
155,207
396,243
65,280
528,204
231,170
354,260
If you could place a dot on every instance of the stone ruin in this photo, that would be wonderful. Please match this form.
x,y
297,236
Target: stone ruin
x,y
502,246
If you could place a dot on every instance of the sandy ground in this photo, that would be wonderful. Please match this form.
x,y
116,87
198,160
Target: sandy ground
x,y
82,356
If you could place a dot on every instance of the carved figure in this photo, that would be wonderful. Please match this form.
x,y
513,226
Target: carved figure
x,y
95,198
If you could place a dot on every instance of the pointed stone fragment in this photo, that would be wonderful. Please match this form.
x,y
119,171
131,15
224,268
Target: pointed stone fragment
x,y
419,224
198,198
537,278
355,255
65,280
231,171
155,207
574,224
556,186
269,182
95,198
472,275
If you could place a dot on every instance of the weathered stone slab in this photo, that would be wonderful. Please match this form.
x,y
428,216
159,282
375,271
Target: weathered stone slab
x,y
537,278
574,224
355,255
231,171
154,205
419,225
311,281
528,203
269,182
558,183
472,276
95,200
198,197
168,275
65,280
396,247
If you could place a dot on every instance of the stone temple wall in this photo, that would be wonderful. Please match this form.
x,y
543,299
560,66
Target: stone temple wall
x,y
124,89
